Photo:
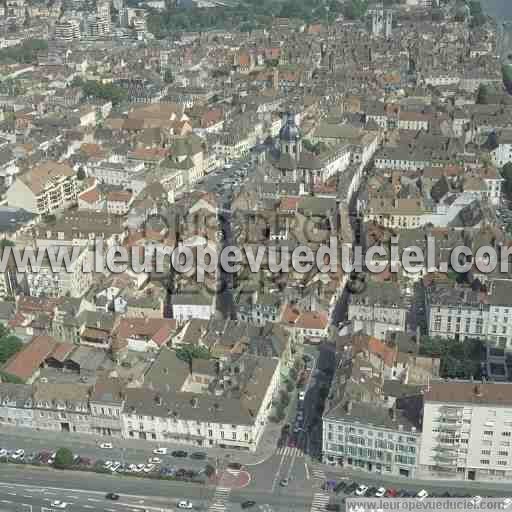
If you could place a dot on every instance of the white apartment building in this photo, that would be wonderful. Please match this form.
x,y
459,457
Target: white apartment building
x,y
502,153
467,431
460,313
379,309
204,419
45,189
116,173
71,280
370,437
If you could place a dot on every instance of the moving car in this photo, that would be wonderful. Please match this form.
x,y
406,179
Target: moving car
x,y
380,492
198,456
185,504
351,488
248,504
361,490
235,465
160,451
284,482
58,504
302,395
179,453
332,507
106,446
112,496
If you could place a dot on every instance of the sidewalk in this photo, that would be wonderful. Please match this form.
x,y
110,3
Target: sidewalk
x,y
51,439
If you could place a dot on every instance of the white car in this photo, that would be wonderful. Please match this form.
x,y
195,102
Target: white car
x,y
107,464
155,460
185,504
58,504
302,395
160,451
3,452
18,454
361,490
379,493
422,494
106,446
115,467
149,468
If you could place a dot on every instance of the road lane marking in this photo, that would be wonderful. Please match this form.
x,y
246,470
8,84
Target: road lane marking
x,y
27,497
87,506
6,501
11,493
307,471
276,478
93,499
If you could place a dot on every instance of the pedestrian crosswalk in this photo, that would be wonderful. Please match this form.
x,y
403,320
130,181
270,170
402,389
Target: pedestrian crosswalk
x,y
318,472
320,500
290,452
220,499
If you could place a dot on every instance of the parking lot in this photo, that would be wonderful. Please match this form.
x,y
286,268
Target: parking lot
x,y
177,464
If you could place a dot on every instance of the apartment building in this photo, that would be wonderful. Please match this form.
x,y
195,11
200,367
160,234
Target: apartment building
x,y
49,280
467,431
460,313
380,308
46,188
186,414
372,438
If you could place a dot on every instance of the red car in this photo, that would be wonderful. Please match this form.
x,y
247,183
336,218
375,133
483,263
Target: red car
x,y
391,493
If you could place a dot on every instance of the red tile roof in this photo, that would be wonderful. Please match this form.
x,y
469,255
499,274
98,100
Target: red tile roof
x,y
26,362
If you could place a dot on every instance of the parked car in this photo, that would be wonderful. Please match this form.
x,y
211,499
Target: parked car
x,y
391,493
154,460
112,496
361,490
179,453
351,488
248,504
106,446
235,465
380,492
302,395
198,456
422,494
18,454
284,482
149,468
332,507
185,504
58,504
115,466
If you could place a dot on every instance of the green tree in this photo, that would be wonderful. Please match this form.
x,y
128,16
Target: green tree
x,y
355,9
63,458
188,353
9,344
506,173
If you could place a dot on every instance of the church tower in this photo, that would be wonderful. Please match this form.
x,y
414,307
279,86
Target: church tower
x,y
290,140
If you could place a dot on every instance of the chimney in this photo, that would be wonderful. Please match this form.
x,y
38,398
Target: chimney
x,y
477,391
